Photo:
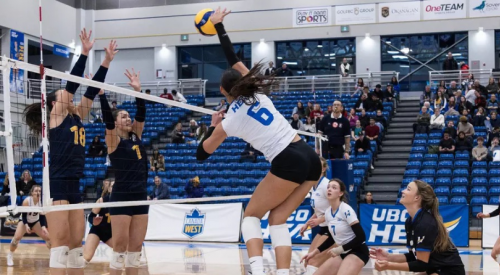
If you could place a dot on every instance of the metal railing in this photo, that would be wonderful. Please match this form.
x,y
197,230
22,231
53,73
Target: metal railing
x,y
336,83
459,76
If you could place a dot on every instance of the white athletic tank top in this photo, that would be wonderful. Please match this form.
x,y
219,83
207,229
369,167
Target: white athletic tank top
x,y
33,216
259,124
339,223
319,201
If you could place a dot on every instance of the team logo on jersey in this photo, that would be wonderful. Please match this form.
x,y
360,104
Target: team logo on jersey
x,y
133,137
194,222
335,125
420,239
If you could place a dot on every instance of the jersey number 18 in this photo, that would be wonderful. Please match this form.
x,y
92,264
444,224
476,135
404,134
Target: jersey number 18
x,y
263,115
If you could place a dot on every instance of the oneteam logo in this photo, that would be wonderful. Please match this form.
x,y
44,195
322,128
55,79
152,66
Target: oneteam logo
x,y
445,7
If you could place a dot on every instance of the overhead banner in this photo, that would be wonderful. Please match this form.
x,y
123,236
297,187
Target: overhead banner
x,y
307,17
385,224
195,222
355,14
61,51
444,9
491,228
399,12
17,53
481,8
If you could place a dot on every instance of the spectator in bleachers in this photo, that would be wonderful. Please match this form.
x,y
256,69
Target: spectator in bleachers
x,y
492,104
468,82
427,95
160,191
113,107
492,121
200,133
361,103
309,109
284,71
464,67
492,86
450,112
338,130
450,64
452,104
271,69
362,144
373,104
358,89
366,91
452,89
479,152
356,131
442,84
222,105
437,119
249,153
471,95
157,161
166,94
193,188
328,110
296,123
345,67
352,117
177,134
480,117
395,83
4,198
368,198
97,148
23,185
447,144
379,118
491,135
466,127
462,143
482,90
316,112
423,122
378,92
300,110
480,101
430,111
464,104
178,96
494,149
466,114
148,91
310,127
451,129
389,94
440,100
372,131
193,128
364,119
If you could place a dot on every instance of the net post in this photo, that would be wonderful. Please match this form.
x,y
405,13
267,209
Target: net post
x,y
6,67
45,142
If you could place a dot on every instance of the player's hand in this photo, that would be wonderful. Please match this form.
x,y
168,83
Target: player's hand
x,y
313,222
45,232
97,220
87,44
135,81
111,51
481,215
303,229
309,256
379,254
28,229
217,118
218,15
381,265
346,155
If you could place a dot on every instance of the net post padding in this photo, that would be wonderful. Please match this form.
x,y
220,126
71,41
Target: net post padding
x,y
6,67
46,199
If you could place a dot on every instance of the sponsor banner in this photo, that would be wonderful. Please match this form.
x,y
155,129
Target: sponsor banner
x,y
195,222
385,224
444,9
61,51
17,53
482,8
491,228
399,12
355,14
318,16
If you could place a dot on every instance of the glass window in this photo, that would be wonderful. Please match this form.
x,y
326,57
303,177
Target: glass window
x,y
415,55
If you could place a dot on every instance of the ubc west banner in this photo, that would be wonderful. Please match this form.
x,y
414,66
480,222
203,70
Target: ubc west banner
x,y
17,53
385,224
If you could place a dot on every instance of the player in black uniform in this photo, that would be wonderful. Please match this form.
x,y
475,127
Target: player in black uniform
x,y
67,160
430,250
130,162
100,220
495,252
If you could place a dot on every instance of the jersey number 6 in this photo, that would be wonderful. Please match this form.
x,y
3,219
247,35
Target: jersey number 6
x,y
262,115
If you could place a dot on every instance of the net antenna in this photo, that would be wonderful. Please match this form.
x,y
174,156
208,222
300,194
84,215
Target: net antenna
x,y
87,82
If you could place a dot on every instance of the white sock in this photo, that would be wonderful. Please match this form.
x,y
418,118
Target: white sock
x,y
310,270
257,265
283,272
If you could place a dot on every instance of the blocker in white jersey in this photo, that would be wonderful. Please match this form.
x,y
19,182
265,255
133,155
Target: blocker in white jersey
x,y
319,201
339,223
34,216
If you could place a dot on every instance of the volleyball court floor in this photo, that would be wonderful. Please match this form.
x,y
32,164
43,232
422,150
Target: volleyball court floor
x,y
172,258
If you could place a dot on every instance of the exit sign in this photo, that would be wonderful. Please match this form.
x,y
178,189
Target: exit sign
x,y
344,28
184,37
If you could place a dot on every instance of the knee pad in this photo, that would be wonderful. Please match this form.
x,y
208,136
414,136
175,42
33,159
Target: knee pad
x,y
133,259
280,236
250,228
75,258
59,257
118,260
14,242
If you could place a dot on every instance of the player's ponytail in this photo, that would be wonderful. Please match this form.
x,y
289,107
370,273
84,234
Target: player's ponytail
x,y
33,113
430,203
247,86
324,164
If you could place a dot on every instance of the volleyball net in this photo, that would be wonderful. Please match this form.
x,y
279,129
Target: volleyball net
x,y
230,174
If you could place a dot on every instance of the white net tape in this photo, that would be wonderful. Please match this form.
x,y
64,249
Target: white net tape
x,y
7,64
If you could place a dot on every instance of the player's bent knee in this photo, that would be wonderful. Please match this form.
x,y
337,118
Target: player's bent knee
x,y
251,229
133,259
118,260
75,258
59,257
280,236
14,242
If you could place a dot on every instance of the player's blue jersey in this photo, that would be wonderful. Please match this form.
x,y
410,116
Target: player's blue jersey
x,y
130,163
67,148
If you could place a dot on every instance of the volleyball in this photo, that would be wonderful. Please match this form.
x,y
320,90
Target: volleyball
x,y
203,24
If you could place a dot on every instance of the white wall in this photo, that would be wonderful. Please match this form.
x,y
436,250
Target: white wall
x,y
142,60
368,57
482,48
166,60
264,51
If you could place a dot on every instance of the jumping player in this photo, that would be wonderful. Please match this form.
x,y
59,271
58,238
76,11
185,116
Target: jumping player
x,y
496,248
101,226
430,250
31,222
319,202
129,159
295,167
67,160
351,252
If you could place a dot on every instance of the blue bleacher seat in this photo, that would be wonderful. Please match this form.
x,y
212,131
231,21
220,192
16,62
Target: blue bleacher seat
x,y
478,200
495,200
413,165
446,157
459,190
421,136
426,173
442,191
443,182
479,164
429,164
458,200
430,157
494,191
461,164
479,172
407,181
419,149
460,181
478,191
416,157
429,180
445,164
442,199
494,172
419,142
444,173
462,172
482,181
495,181
462,156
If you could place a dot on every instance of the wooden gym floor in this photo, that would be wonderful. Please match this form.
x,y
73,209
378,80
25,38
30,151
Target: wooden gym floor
x,y
32,257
